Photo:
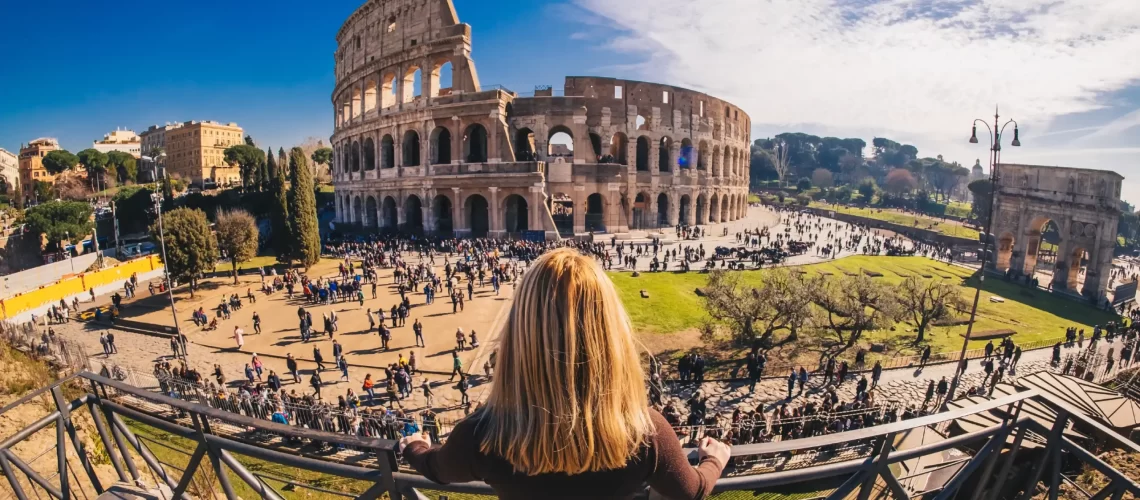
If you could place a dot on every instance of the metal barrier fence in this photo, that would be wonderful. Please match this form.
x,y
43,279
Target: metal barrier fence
x,y
862,460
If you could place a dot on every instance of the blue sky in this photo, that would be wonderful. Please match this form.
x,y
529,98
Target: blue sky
x,y
268,66
917,71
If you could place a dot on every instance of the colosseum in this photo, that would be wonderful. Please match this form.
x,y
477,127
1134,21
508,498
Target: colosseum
x,y
417,154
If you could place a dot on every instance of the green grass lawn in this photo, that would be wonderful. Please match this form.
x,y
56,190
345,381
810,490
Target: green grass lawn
x,y
947,227
673,305
959,209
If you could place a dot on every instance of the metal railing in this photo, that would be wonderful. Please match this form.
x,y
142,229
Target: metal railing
x,y
855,461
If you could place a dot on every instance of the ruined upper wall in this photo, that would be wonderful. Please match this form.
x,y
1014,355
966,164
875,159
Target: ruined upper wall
x,y
679,110
1100,188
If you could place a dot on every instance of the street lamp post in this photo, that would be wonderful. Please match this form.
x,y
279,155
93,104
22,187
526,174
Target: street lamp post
x,y
995,159
156,197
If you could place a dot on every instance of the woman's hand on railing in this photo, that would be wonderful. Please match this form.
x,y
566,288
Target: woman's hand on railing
x,y
421,437
709,447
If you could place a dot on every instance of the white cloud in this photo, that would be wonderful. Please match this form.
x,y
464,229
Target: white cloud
x,y
916,71
1115,127
919,68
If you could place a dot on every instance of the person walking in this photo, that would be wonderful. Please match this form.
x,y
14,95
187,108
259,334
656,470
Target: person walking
x,y
291,364
463,386
876,372
238,337
342,363
369,388
925,356
803,379
256,324
257,365
460,340
418,328
429,396
791,383
943,387
111,342
456,366
315,382
318,358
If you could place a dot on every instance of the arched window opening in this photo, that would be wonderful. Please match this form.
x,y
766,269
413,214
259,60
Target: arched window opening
x,y
560,144
369,154
388,213
641,123
387,152
356,107
663,210
413,215
562,212
516,214
356,156
665,155
685,208
391,26
702,150
524,145
388,91
619,147
370,214
411,84
685,159
643,154
441,210
477,216
441,78
411,148
358,211
441,146
370,95
475,144
595,213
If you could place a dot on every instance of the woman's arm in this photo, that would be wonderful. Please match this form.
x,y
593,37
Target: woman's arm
x,y
454,462
673,477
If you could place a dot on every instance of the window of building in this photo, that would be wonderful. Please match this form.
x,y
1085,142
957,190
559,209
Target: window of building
x,y
617,92
391,24
702,108
665,97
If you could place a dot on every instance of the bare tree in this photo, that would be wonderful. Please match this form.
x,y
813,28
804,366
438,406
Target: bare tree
x,y
849,307
780,158
237,236
757,313
927,301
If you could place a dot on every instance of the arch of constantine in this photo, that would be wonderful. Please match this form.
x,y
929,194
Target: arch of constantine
x,y
418,154
1085,207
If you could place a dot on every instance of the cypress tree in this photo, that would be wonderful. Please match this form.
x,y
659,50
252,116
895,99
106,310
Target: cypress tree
x,y
279,214
270,170
281,161
303,210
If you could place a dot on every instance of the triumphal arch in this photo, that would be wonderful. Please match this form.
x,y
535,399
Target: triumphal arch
x,y
1085,206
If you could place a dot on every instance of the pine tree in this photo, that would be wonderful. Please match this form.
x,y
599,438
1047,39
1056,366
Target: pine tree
x,y
279,214
303,210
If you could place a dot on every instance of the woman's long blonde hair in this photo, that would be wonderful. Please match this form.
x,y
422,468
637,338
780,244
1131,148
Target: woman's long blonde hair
x,y
569,393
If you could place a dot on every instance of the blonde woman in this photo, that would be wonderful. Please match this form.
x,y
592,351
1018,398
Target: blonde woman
x,y
568,416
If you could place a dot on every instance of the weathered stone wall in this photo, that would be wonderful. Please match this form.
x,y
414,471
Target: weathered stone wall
x,y
1085,205
434,159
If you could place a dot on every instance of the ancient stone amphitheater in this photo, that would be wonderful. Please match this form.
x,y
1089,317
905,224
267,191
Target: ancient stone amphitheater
x,y
600,156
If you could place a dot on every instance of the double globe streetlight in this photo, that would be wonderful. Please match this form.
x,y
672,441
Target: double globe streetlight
x,y
986,237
